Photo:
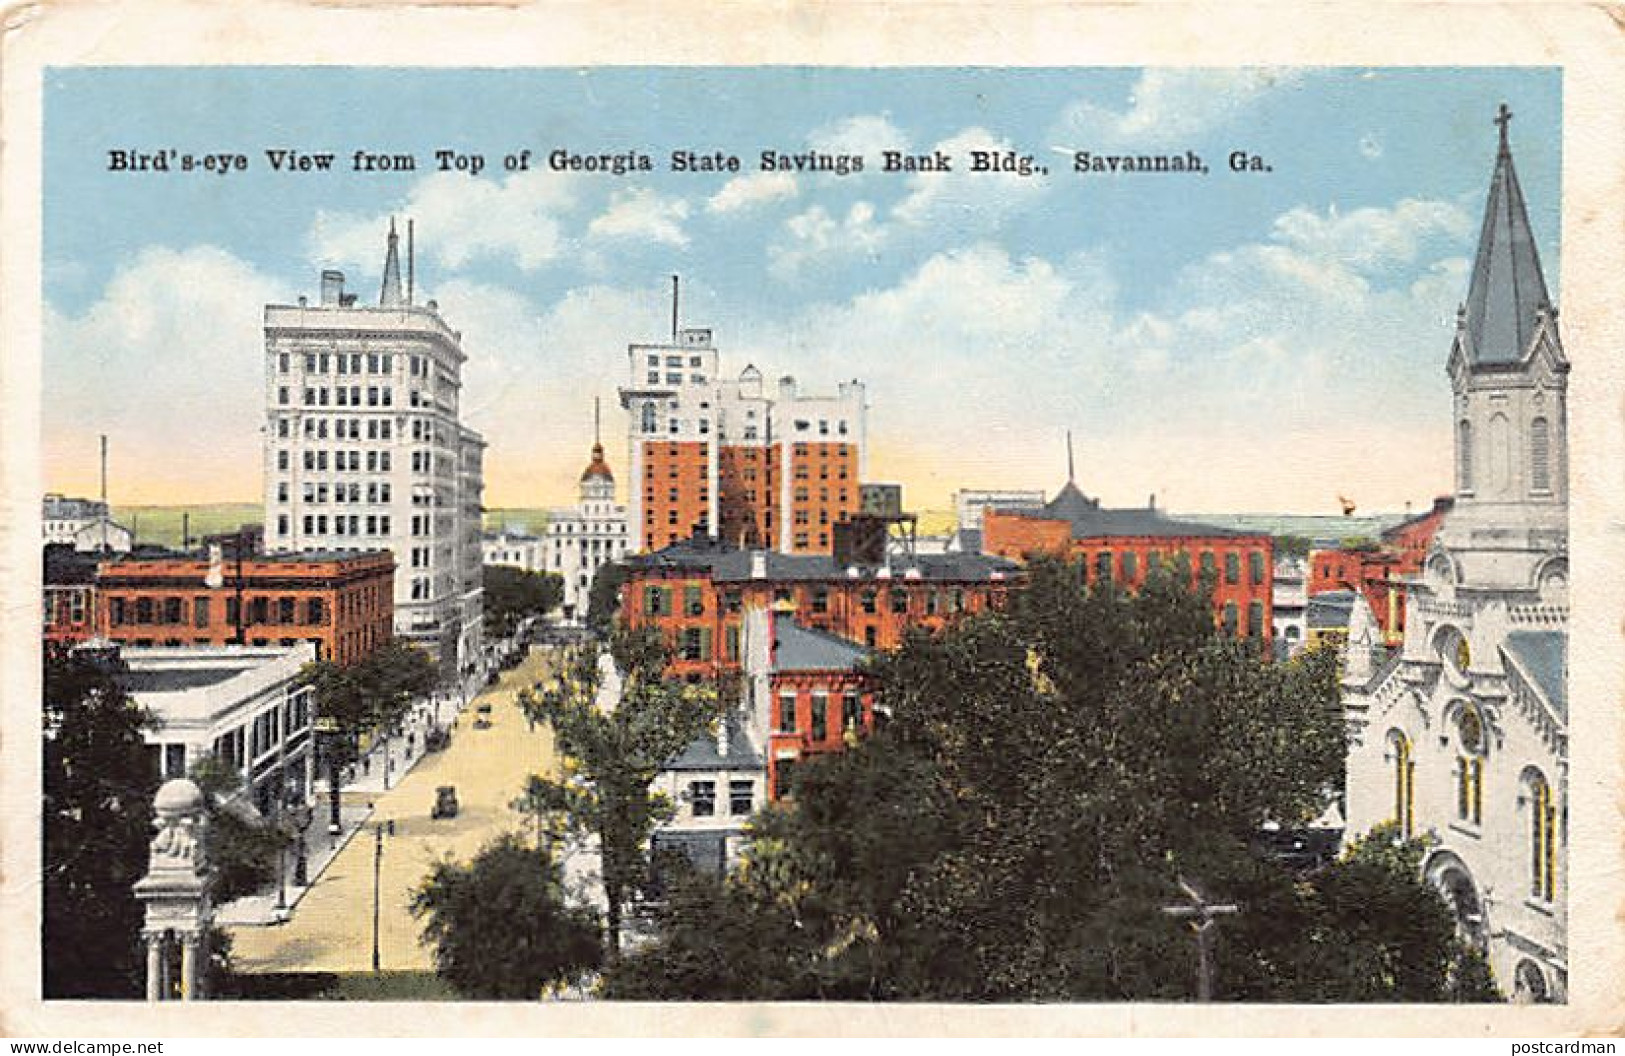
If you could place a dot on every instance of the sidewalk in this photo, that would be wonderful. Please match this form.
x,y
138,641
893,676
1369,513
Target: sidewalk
x,y
390,757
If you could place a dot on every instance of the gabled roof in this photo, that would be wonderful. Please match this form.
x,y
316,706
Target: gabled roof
x,y
702,754
798,648
1090,521
1542,656
1507,287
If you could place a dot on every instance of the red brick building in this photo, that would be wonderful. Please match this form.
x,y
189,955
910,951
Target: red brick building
x,y
695,594
1379,570
69,614
1121,545
822,699
734,459
343,602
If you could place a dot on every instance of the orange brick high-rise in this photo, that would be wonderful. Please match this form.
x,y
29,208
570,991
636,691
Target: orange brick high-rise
x,y
736,460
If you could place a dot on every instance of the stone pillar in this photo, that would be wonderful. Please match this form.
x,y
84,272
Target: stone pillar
x,y
155,965
176,891
189,967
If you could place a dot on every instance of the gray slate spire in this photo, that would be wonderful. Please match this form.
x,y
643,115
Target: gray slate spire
x,y
391,296
1508,287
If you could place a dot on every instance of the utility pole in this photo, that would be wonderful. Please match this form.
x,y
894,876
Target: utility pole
x,y
377,870
1202,915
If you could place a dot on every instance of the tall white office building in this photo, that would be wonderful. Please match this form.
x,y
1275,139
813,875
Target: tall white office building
x,y
364,450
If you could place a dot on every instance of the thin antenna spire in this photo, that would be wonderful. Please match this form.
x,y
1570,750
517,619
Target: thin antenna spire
x,y
105,510
597,438
1071,478
674,309
411,261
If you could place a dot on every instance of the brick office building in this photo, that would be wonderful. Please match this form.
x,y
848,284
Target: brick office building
x,y
695,593
1379,570
736,460
342,603
1121,545
69,615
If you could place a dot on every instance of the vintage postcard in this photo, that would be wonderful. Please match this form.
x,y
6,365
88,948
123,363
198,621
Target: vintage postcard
x,y
819,518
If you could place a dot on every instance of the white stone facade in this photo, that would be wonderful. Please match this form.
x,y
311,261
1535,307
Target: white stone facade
x,y
243,705
365,450
583,539
1462,736
84,524
515,549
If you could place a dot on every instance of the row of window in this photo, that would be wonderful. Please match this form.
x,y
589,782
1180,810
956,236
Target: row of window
x,y
1539,454
342,524
316,428
818,726
1255,620
347,363
702,798
1127,565
344,396
317,492
343,461
312,612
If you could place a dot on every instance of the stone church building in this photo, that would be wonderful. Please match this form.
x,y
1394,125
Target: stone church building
x,y
1461,734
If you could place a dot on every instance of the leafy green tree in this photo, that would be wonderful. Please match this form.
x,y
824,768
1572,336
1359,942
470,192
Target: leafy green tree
x,y
604,599
1048,776
1292,546
499,925
371,694
242,850
615,755
99,780
511,594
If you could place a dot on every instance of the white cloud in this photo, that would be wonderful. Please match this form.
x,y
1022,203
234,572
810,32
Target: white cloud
x,y
459,220
641,213
752,190
816,235
170,363
961,198
866,135
1171,107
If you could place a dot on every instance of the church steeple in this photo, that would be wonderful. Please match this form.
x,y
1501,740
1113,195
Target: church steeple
x,y
1508,290
391,296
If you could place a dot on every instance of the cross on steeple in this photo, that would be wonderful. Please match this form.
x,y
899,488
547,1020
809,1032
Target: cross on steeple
x,y
1503,118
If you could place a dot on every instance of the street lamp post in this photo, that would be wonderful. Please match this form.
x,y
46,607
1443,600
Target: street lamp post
x,y
1202,915
327,729
377,873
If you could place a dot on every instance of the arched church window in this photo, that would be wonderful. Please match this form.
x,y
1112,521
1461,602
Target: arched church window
x,y
1471,743
1540,456
1404,763
1537,797
1464,456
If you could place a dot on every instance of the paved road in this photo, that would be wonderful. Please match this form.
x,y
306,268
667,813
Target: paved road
x,y
331,928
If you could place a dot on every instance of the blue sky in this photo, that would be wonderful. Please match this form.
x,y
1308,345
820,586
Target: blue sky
x,y
1231,341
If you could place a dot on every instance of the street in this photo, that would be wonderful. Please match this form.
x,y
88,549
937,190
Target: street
x,y
331,927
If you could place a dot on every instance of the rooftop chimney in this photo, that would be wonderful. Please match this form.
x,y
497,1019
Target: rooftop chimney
x,y
332,288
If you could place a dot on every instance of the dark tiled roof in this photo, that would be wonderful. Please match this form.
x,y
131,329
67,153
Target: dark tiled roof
x,y
176,680
1090,521
65,566
1507,286
798,648
701,754
729,565
1543,658
1330,609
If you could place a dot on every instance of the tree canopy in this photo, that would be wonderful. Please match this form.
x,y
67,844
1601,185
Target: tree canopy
x,y
511,594
499,926
615,755
604,599
99,780
373,693
1047,777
